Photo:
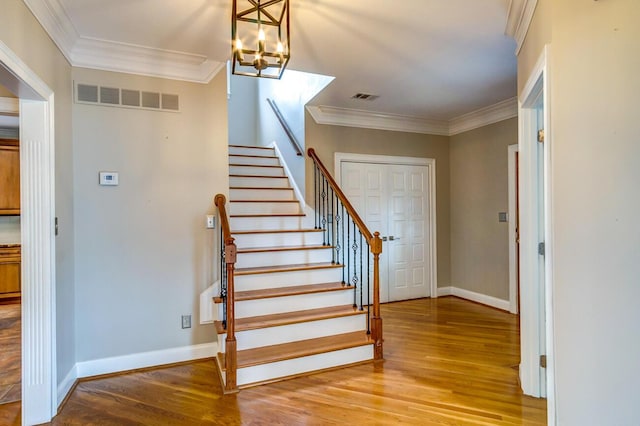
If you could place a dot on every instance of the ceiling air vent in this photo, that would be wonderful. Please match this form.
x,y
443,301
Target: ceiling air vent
x,y
126,98
365,97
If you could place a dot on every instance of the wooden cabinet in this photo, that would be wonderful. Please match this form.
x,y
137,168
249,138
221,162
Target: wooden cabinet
x,y
9,177
10,274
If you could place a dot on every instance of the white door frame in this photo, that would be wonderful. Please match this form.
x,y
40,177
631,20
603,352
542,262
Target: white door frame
x,y
536,315
430,163
513,220
39,381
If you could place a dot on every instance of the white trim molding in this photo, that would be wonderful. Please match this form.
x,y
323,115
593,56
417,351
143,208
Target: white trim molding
x,y
513,223
120,57
37,171
503,110
118,364
519,19
483,299
323,114
495,113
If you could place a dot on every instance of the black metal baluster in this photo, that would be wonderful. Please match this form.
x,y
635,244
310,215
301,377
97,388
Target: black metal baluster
x,y
368,289
338,218
344,218
315,196
354,279
361,275
324,212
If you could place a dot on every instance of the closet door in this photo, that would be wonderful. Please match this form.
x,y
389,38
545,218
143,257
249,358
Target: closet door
x,y
393,199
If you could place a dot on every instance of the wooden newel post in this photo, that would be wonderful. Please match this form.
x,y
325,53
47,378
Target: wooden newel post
x,y
376,321
231,359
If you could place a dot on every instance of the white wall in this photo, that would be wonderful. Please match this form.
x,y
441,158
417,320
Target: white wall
x,y
143,255
595,80
291,93
243,111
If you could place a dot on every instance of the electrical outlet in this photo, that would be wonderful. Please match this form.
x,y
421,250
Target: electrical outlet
x,y
186,321
211,221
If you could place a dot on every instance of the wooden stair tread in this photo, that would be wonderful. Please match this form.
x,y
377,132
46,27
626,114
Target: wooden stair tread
x,y
274,353
259,188
283,248
252,156
250,146
285,268
269,215
287,318
291,291
253,165
260,176
274,231
264,201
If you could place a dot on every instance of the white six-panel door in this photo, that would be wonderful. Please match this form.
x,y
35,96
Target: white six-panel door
x,y
394,199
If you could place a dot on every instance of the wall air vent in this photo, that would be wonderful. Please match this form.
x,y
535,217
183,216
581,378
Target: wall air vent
x,y
126,98
365,97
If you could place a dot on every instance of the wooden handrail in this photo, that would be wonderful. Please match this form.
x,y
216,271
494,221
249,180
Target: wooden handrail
x,y
230,353
285,126
375,245
343,198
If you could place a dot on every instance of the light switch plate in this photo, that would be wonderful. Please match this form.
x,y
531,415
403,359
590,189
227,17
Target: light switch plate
x,y
108,178
503,217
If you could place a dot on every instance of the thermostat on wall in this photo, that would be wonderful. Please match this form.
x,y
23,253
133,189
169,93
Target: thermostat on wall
x,y
109,178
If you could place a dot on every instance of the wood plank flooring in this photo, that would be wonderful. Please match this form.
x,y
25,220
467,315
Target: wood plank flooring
x,y
10,350
447,362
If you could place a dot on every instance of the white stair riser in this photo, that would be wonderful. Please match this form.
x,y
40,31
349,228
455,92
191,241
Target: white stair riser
x,y
261,194
277,305
288,257
250,339
258,182
287,279
266,223
248,150
264,208
290,367
256,171
278,239
254,161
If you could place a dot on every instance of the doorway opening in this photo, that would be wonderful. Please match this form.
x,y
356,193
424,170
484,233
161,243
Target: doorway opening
x,y
39,395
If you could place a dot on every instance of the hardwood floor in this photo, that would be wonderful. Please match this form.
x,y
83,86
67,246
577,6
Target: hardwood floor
x,y
10,350
447,362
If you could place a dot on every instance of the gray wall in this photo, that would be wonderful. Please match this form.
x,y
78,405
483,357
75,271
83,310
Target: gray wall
x,y
327,140
593,69
243,111
479,243
25,37
143,254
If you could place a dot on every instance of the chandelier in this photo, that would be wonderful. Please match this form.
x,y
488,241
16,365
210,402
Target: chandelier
x,y
260,37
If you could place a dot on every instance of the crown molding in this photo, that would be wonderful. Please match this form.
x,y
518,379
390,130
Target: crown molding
x,y
9,106
119,57
503,110
519,19
484,116
323,114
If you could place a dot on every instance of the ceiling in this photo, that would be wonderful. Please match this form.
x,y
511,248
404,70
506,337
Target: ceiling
x,y
430,59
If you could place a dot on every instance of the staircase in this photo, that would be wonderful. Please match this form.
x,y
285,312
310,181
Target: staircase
x,y
291,312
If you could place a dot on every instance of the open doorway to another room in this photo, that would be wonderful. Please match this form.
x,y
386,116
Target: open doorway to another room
x,y
10,251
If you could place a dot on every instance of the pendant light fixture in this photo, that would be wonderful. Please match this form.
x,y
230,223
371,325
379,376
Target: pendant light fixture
x,y
260,37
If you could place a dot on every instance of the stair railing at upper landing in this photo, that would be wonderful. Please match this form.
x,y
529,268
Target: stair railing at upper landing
x,y
227,292
354,246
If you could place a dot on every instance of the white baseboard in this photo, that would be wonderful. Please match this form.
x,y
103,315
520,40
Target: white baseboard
x,y
475,297
118,364
64,387
445,291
